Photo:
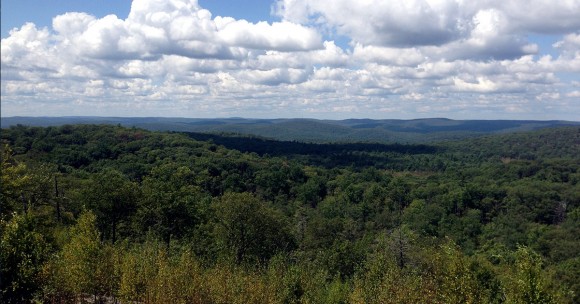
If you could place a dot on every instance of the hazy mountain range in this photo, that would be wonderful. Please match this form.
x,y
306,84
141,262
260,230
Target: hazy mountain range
x,y
312,130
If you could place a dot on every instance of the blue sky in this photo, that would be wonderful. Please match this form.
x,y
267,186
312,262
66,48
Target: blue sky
x,y
17,12
292,58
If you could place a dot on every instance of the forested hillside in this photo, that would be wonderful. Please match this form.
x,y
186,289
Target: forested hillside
x,y
103,213
312,130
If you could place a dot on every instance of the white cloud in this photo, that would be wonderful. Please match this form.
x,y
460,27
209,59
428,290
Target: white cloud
x,y
479,85
382,23
541,16
493,29
388,56
414,58
21,43
570,42
281,36
275,76
575,94
155,28
331,55
570,48
71,24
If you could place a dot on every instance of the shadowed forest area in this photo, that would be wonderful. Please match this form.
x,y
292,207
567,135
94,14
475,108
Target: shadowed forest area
x,y
101,213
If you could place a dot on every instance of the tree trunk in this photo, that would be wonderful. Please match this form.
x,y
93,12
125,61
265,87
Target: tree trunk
x,y
114,236
57,198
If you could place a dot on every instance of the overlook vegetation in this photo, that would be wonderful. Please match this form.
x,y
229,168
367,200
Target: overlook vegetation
x,y
102,213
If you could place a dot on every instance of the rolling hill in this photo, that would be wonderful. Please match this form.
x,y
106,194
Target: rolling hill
x,y
312,130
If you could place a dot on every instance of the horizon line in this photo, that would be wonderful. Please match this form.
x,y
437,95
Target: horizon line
x,y
284,118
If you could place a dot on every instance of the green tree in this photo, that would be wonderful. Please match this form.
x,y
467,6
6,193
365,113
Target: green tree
x,y
247,229
113,198
85,265
530,282
15,180
173,204
23,252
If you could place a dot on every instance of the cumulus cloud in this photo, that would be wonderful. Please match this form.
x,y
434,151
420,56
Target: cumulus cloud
x,y
281,36
383,23
540,16
155,28
406,58
570,48
481,85
454,28
388,56
18,47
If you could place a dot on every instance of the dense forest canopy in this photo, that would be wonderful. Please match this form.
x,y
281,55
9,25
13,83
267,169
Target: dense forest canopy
x,y
100,212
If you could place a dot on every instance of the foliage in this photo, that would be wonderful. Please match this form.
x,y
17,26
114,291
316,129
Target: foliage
x,y
102,213
23,251
249,230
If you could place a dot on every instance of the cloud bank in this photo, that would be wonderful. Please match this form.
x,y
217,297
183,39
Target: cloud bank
x,y
403,59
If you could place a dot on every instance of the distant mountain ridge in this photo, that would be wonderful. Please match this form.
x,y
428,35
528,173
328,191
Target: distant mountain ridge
x,y
312,130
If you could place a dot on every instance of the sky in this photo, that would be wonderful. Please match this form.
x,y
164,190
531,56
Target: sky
x,y
397,59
